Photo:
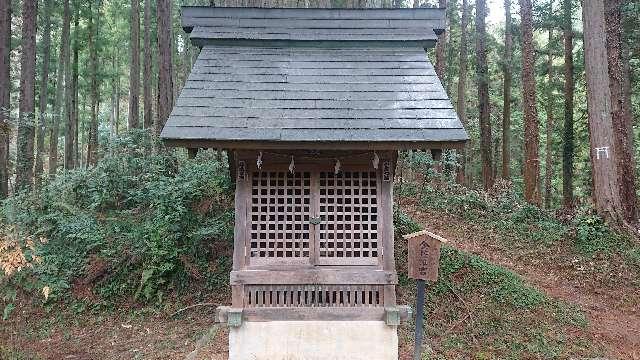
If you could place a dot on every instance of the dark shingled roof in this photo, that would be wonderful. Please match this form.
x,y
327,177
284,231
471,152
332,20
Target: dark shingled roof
x,y
293,82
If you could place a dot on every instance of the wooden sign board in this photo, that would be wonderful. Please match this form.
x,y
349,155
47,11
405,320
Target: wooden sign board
x,y
424,255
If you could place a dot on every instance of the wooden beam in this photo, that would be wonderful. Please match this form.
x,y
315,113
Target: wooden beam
x,y
313,313
319,276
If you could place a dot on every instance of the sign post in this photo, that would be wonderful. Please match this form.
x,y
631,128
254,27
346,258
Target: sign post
x,y
424,261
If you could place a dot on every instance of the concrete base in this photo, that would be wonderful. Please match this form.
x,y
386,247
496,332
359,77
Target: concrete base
x,y
313,340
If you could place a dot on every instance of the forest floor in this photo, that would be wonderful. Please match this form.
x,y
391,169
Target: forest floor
x,y
606,293
610,299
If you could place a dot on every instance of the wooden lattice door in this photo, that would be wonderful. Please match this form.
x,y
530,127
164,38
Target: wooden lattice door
x,y
348,209
314,217
280,214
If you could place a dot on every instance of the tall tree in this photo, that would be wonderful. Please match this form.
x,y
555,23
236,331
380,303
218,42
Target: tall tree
x,y
92,141
44,85
69,94
440,46
567,132
5,94
531,124
461,104
75,105
606,192
483,95
506,95
134,70
548,163
147,70
621,115
59,103
26,121
165,65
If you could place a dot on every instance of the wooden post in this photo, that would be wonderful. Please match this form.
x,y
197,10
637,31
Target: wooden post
x,y
241,175
417,350
386,211
423,262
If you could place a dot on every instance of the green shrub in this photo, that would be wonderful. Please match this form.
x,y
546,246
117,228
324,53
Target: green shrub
x,y
501,209
139,222
592,234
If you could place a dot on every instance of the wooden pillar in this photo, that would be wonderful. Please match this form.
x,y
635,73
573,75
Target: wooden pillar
x,y
387,164
241,176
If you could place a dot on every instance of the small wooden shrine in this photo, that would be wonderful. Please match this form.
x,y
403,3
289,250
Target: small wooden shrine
x,y
313,105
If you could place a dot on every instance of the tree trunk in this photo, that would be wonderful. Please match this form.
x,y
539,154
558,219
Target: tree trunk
x,y
531,125
165,71
70,95
483,95
76,85
26,121
58,106
461,104
621,116
567,134
440,47
506,98
5,92
134,70
548,163
44,86
92,148
147,70
606,192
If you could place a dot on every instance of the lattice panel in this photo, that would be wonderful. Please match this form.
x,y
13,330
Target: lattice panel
x,y
348,233
313,295
280,213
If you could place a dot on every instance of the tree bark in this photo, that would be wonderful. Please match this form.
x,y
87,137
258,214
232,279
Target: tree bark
x,y
606,192
147,70
44,86
165,65
567,133
70,95
5,94
92,147
26,121
506,96
621,115
134,70
58,106
483,95
76,87
461,103
440,47
548,163
531,123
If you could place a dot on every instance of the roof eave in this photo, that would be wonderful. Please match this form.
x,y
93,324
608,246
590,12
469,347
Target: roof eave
x,y
201,42
315,145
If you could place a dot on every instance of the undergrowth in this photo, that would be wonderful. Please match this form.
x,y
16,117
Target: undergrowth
x,y
524,225
139,223
480,310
